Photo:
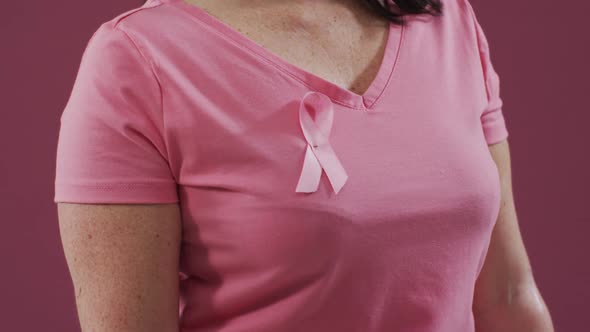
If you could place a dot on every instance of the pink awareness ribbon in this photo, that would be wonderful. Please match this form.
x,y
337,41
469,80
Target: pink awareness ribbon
x,y
319,153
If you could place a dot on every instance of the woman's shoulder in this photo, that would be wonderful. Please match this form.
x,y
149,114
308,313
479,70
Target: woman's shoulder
x,y
144,20
134,15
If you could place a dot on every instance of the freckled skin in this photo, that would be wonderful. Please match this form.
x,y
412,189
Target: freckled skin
x,y
327,48
123,260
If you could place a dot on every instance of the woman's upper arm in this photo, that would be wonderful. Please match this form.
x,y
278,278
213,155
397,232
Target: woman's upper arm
x,y
506,273
118,208
123,260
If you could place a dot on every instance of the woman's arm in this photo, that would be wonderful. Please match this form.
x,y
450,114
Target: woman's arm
x,y
123,260
506,296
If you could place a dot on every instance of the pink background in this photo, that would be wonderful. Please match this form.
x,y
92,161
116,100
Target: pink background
x,y
539,49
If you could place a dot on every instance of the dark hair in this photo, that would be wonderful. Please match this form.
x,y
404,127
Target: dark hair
x,y
393,10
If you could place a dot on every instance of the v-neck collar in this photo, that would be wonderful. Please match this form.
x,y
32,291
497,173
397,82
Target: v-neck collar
x,y
338,94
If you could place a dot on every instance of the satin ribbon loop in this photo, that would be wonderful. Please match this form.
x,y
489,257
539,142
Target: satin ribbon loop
x,y
316,116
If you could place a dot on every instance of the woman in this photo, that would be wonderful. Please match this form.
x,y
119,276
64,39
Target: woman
x,y
291,166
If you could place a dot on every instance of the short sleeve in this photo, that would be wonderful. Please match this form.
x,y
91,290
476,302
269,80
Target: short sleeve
x,y
492,118
110,147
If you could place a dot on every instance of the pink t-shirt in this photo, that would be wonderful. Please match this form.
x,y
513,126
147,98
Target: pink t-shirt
x,y
305,206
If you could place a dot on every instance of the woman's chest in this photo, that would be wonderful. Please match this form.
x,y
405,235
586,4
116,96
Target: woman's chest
x,y
410,153
418,176
418,170
249,129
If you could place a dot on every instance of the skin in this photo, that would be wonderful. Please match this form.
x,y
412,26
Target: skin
x,y
327,33
123,258
506,296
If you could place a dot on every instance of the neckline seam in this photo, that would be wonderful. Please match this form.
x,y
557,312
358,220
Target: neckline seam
x,y
396,59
